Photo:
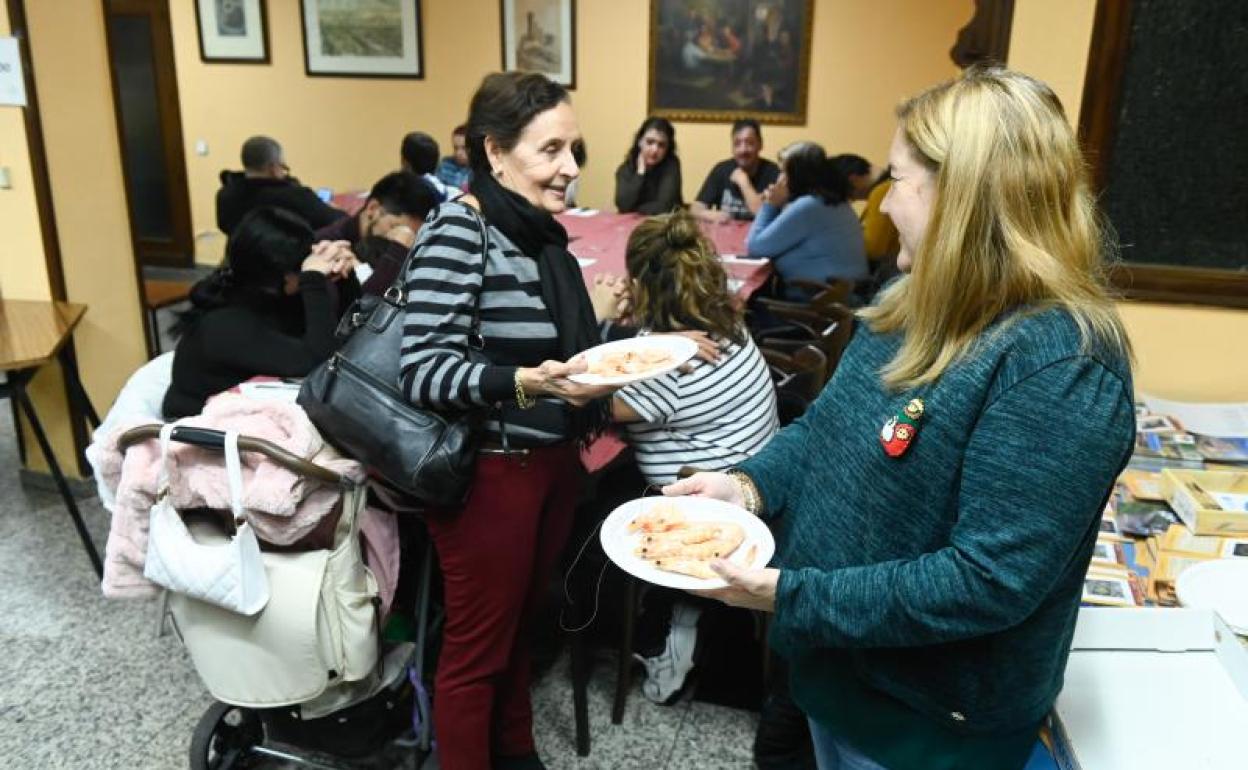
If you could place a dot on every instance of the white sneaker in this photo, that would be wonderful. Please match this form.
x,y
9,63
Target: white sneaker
x,y
666,672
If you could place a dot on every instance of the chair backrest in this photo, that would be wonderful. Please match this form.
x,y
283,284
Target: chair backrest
x,y
798,376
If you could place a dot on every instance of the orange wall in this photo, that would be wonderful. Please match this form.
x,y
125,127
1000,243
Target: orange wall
x,y
344,133
1183,352
22,271
84,165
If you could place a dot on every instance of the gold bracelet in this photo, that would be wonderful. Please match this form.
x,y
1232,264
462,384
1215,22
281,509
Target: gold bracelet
x,y
749,491
522,399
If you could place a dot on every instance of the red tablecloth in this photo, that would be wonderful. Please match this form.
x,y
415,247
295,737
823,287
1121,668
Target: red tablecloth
x,y
604,238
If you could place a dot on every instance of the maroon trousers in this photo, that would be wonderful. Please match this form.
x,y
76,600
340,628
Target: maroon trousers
x,y
497,554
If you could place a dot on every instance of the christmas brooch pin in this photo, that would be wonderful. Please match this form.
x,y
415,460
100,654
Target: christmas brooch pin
x,y
902,428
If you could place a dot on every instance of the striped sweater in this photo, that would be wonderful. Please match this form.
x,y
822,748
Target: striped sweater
x,y
443,284
710,418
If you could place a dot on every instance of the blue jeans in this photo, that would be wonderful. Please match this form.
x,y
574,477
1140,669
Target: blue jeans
x,y
832,753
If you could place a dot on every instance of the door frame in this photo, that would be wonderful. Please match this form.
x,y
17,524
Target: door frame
x,y
179,251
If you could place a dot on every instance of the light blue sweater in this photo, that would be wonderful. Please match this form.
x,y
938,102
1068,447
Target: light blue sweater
x,y
809,239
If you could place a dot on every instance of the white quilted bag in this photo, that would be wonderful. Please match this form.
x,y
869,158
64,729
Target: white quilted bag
x,y
229,574
317,633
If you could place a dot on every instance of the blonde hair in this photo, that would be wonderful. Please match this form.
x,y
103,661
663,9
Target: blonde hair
x,y
678,281
1013,225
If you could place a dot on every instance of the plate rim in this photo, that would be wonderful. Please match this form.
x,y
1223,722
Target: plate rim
x,y
686,582
586,378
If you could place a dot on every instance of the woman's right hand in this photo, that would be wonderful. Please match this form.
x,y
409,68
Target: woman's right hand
x,y
718,486
551,379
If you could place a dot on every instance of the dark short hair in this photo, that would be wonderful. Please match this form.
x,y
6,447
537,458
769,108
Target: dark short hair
x,y
503,105
268,243
420,152
809,172
259,152
852,165
460,130
741,123
402,193
663,126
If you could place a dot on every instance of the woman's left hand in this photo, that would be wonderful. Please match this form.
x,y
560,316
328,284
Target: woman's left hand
x,y
753,589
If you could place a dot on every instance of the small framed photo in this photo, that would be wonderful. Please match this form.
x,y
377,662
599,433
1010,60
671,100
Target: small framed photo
x,y
1108,554
540,36
1155,423
232,31
1109,527
1109,591
362,38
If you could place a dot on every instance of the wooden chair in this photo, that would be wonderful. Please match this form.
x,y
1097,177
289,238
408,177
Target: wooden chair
x,y
157,295
829,330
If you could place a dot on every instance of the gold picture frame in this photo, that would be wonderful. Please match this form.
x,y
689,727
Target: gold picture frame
x,y
716,61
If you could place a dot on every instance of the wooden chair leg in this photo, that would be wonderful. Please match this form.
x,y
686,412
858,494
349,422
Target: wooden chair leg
x,y
624,666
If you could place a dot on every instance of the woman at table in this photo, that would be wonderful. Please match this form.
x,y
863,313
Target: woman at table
x,y
269,311
497,551
648,181
806,226
945,490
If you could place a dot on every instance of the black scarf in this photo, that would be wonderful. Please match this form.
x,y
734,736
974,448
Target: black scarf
x,y
543,239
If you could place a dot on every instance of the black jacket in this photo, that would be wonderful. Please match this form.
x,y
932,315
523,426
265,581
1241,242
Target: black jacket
x,y
240,194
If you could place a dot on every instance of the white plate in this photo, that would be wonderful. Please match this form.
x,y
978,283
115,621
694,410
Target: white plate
x,y
681,349
1221,586
619,544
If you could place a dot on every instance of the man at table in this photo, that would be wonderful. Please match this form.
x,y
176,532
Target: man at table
x,y
736,185
266,181
454,170
419,154
383,230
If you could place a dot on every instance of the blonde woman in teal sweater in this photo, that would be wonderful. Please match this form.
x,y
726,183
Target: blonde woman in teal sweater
x,y
945,490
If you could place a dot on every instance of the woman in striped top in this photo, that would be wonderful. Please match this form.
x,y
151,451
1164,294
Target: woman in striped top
x,y
711,416
498,253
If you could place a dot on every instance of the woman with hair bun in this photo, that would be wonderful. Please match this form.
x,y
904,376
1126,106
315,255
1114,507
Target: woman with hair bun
x,y
712,416
717,413
805,226
268,311
944,493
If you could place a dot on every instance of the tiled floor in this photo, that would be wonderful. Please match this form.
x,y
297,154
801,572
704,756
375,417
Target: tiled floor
x,y
85,683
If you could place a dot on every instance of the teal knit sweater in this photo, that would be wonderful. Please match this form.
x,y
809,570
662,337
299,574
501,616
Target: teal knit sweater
x,y
949,577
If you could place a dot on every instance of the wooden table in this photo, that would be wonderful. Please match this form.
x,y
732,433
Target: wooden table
x,y
161,294
31,335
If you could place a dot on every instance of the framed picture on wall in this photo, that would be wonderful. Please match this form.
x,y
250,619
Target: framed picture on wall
x,y
540,36
720,61
362,38
232,31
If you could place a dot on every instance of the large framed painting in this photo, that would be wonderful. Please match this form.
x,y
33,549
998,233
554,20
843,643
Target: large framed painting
x,y
720,60
232,31
540,36
362,38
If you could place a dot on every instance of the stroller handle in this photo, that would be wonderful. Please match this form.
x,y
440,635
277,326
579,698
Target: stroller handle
x,y
209,438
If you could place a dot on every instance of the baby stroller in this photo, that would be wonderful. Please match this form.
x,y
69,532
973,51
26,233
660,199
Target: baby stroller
x,y
307,680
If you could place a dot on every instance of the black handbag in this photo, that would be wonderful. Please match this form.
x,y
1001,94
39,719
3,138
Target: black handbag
x,y
354,400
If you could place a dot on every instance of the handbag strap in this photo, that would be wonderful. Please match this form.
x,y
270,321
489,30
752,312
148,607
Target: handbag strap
x,y
395,294
234,472
162,478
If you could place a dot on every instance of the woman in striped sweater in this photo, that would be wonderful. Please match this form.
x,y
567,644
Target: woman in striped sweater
x,y
500,254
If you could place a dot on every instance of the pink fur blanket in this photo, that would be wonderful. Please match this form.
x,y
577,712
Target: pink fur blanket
x,y
281,505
